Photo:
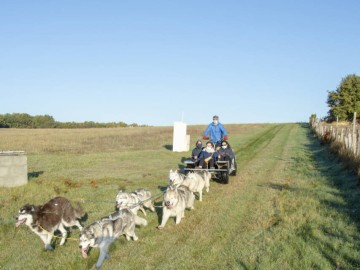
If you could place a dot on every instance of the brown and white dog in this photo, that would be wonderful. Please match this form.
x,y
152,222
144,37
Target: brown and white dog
x,y
44,220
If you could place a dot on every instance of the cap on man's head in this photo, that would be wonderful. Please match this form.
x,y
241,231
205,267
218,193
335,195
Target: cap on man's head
x,y
215,117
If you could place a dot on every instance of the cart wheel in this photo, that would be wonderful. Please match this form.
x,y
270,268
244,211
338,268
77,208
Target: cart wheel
x,y
225,177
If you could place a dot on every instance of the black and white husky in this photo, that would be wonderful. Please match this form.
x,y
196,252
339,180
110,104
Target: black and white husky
x,y
44,220
103,232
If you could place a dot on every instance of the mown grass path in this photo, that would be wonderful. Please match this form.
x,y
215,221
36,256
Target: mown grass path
x,y
290,206
272,215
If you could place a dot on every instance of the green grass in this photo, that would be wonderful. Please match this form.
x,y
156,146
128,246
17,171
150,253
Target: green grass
x,y
291,205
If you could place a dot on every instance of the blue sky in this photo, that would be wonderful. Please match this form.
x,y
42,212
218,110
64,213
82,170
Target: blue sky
x,y
156,62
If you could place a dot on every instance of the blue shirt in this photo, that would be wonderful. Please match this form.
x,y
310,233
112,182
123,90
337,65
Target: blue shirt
x,y
217,132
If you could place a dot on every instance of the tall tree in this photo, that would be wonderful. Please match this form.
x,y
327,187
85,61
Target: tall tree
x,y
345,100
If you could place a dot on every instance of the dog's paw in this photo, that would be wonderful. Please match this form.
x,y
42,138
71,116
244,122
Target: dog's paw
x,y
49,247
159,227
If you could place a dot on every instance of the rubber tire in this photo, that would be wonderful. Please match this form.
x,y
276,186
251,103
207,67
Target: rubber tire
x,y
225,177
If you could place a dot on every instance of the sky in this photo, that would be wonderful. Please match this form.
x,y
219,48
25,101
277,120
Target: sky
x,y
157,62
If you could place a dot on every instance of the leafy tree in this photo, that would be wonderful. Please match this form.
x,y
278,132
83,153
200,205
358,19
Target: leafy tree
x,y
345,100
44,121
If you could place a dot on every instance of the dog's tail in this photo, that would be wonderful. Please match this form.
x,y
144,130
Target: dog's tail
x,y
79,211
140,221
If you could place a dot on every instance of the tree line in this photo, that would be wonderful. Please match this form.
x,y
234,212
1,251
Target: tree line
x,y
345,100
24,120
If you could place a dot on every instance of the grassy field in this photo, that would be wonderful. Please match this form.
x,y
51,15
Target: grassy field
x,y
291,205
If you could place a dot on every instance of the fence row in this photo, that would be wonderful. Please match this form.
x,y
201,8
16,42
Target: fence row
x,y
347,136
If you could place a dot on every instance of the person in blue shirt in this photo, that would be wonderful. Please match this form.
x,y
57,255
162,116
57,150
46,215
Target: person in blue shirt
x,y
216,131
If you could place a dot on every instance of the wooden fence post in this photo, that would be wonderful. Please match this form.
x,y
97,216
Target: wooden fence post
x,y
354,141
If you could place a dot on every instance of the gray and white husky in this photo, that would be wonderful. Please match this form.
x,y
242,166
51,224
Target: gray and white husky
x,y
135,200
176,200
175,178
196,181
103,232
45,219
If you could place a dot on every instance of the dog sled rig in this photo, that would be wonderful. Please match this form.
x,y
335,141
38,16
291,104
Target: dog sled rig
x,y
221,171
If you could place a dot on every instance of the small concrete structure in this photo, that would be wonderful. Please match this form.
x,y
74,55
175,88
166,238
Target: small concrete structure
x,y
13,168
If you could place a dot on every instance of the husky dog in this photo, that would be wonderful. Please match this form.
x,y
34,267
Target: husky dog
x,y
175,178
135,200
44,220
197,181
175,202
206,175
103,232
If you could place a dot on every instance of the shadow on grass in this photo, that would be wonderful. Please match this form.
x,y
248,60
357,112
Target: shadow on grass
x,y
181,168
158,204
32,175
345,200
168,147
281,187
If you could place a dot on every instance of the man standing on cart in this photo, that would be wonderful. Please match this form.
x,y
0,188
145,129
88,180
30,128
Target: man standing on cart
x,y
216,131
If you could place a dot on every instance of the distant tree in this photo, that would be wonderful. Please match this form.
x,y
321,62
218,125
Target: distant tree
x,y
24,120
19,120
345,100
44,121
3,121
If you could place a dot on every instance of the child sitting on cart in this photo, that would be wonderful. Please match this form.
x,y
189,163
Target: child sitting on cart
x,y
194,160
207,156
225,153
